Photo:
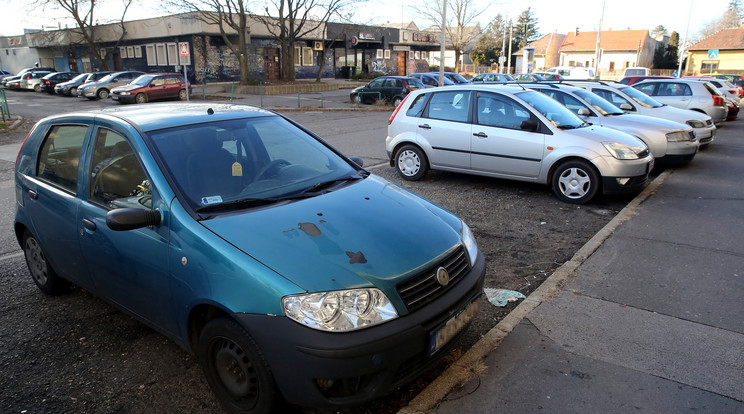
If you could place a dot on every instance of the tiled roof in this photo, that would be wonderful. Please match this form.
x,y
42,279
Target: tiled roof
x,y
554,40
725,39
611,40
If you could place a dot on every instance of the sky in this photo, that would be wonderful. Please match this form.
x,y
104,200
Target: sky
x,y
562,16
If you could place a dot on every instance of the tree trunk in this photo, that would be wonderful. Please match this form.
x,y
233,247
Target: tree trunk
x,y
321,64
287,70
244,78
458,53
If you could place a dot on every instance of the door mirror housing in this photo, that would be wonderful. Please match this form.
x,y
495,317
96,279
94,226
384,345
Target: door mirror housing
x,y
626,107
122,219
584,112
358,161
529,125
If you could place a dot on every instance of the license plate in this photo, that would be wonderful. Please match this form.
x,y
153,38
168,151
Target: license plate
x,y
444,333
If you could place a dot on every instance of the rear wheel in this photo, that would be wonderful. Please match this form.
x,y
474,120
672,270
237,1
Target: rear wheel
x,y
411,163
235,368
396,101
102,94
73,91
37,88
140,98
43,275
575,182
182,94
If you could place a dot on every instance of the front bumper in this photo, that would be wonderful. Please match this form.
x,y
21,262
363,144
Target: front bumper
x,y
123,98
364,364
630,182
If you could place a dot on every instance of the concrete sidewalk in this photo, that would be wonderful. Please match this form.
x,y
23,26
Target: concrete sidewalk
x,y
649,319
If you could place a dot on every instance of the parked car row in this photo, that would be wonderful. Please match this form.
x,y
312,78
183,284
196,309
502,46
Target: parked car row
x,y
582,138
124,87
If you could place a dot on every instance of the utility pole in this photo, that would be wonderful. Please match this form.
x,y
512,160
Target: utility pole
x,y
502,59
684,44
441,46
597,54
508,65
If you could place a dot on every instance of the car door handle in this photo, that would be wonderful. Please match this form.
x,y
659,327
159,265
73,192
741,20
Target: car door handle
x,y
481,135
89,224
33,194
425,126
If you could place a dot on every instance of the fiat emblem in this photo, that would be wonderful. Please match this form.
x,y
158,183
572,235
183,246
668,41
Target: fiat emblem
x,y
443,277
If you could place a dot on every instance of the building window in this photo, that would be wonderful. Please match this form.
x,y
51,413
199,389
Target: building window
x,y
172,53
405,35
387,53
424,55
123,52
379,53
150,52
130,51
298,55
138,51
417,54
184,60
161,55
307,56
709,66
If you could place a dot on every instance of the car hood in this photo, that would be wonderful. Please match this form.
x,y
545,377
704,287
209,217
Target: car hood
x,y
126,88
369,233
603,134
679,115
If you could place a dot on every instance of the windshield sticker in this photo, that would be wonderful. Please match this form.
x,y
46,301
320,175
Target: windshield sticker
x,y
211,200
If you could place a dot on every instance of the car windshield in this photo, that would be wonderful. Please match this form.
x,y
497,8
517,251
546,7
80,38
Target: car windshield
x,y
599,103
456,77
415,83
80,78
557,114
239,163
143,80
641,97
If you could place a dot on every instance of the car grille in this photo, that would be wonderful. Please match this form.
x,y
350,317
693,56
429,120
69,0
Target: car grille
x,y
423,288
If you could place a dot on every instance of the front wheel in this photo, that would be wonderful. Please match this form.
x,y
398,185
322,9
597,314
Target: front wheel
x,y
37,88
73,91
182,94
411,162
140,98
235,368
103,94
43,275
575,182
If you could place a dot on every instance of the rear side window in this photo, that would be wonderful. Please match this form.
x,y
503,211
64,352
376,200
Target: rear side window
x,y
450,106
417,106
60,156
673,89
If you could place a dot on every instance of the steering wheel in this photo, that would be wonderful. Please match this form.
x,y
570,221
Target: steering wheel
x,y
268,169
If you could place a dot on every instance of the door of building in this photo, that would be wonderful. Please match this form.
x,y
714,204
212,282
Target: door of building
x,y
271,63
401,63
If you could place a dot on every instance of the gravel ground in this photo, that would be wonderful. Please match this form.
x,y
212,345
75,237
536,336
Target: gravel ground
x,y
75,353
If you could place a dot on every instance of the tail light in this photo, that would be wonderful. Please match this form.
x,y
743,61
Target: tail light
x,y
718,100
390,121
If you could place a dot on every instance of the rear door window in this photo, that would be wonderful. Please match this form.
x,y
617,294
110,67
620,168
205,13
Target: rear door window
x,y
496,111
647,88
59,157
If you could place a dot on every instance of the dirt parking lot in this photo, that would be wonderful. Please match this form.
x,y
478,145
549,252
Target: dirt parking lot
x,y
76,353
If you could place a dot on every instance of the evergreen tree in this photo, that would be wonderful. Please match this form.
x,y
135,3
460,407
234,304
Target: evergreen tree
x,y
525,30
488,47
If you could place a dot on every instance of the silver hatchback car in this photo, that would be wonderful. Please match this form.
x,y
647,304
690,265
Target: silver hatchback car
x,y
514,133
687,94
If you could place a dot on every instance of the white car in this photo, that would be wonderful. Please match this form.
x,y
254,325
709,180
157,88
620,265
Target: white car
x,y
698,96
669,142
727,88
514,133
633,101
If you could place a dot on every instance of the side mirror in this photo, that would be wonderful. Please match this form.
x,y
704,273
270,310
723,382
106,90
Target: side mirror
x,y
122,219
626,107
529,125
358,161
584,112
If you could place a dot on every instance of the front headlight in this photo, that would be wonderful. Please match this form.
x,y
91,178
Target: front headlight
x,y
340,310
622,151
469,241
680,136
124,93
695,123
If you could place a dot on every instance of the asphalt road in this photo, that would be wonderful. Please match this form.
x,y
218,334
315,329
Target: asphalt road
x,y
75,353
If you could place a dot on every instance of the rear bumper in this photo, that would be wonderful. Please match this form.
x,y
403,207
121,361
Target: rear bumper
x,y
362,364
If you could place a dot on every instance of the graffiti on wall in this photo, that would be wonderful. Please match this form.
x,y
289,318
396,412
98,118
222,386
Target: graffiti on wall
x,y
380,66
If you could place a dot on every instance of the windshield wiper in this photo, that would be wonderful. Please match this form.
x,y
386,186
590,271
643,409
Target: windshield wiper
x,y
325,184
244,202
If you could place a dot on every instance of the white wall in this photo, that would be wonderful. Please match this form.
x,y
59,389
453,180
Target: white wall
x,y
17,58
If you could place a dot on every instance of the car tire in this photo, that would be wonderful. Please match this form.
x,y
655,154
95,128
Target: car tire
x,y
355,99
235,368
411,162
140,98
575,182
182,94
37,88
102,93
396,101
73,92
46,279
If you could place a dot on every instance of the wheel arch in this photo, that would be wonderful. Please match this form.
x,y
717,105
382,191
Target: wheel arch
x,y
199,316
560,161
20,228
401,144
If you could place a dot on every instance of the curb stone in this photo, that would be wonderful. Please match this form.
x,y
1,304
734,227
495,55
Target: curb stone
x,y
462,371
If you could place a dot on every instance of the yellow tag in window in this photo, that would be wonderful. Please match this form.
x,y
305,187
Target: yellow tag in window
x,y
237,170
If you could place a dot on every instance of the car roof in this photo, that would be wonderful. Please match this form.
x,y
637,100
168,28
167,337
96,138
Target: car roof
x,y
166,115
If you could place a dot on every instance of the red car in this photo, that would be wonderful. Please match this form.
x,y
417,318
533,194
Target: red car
x,y
151,87
629,80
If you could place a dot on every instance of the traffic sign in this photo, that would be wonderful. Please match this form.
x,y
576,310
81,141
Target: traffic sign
x,y
184,49
712,53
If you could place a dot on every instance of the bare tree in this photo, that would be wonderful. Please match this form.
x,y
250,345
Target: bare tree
x,y
290,20
231,17
730,19
83,12
459,28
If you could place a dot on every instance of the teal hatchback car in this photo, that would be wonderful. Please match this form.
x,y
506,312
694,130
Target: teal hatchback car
x,y
284,266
